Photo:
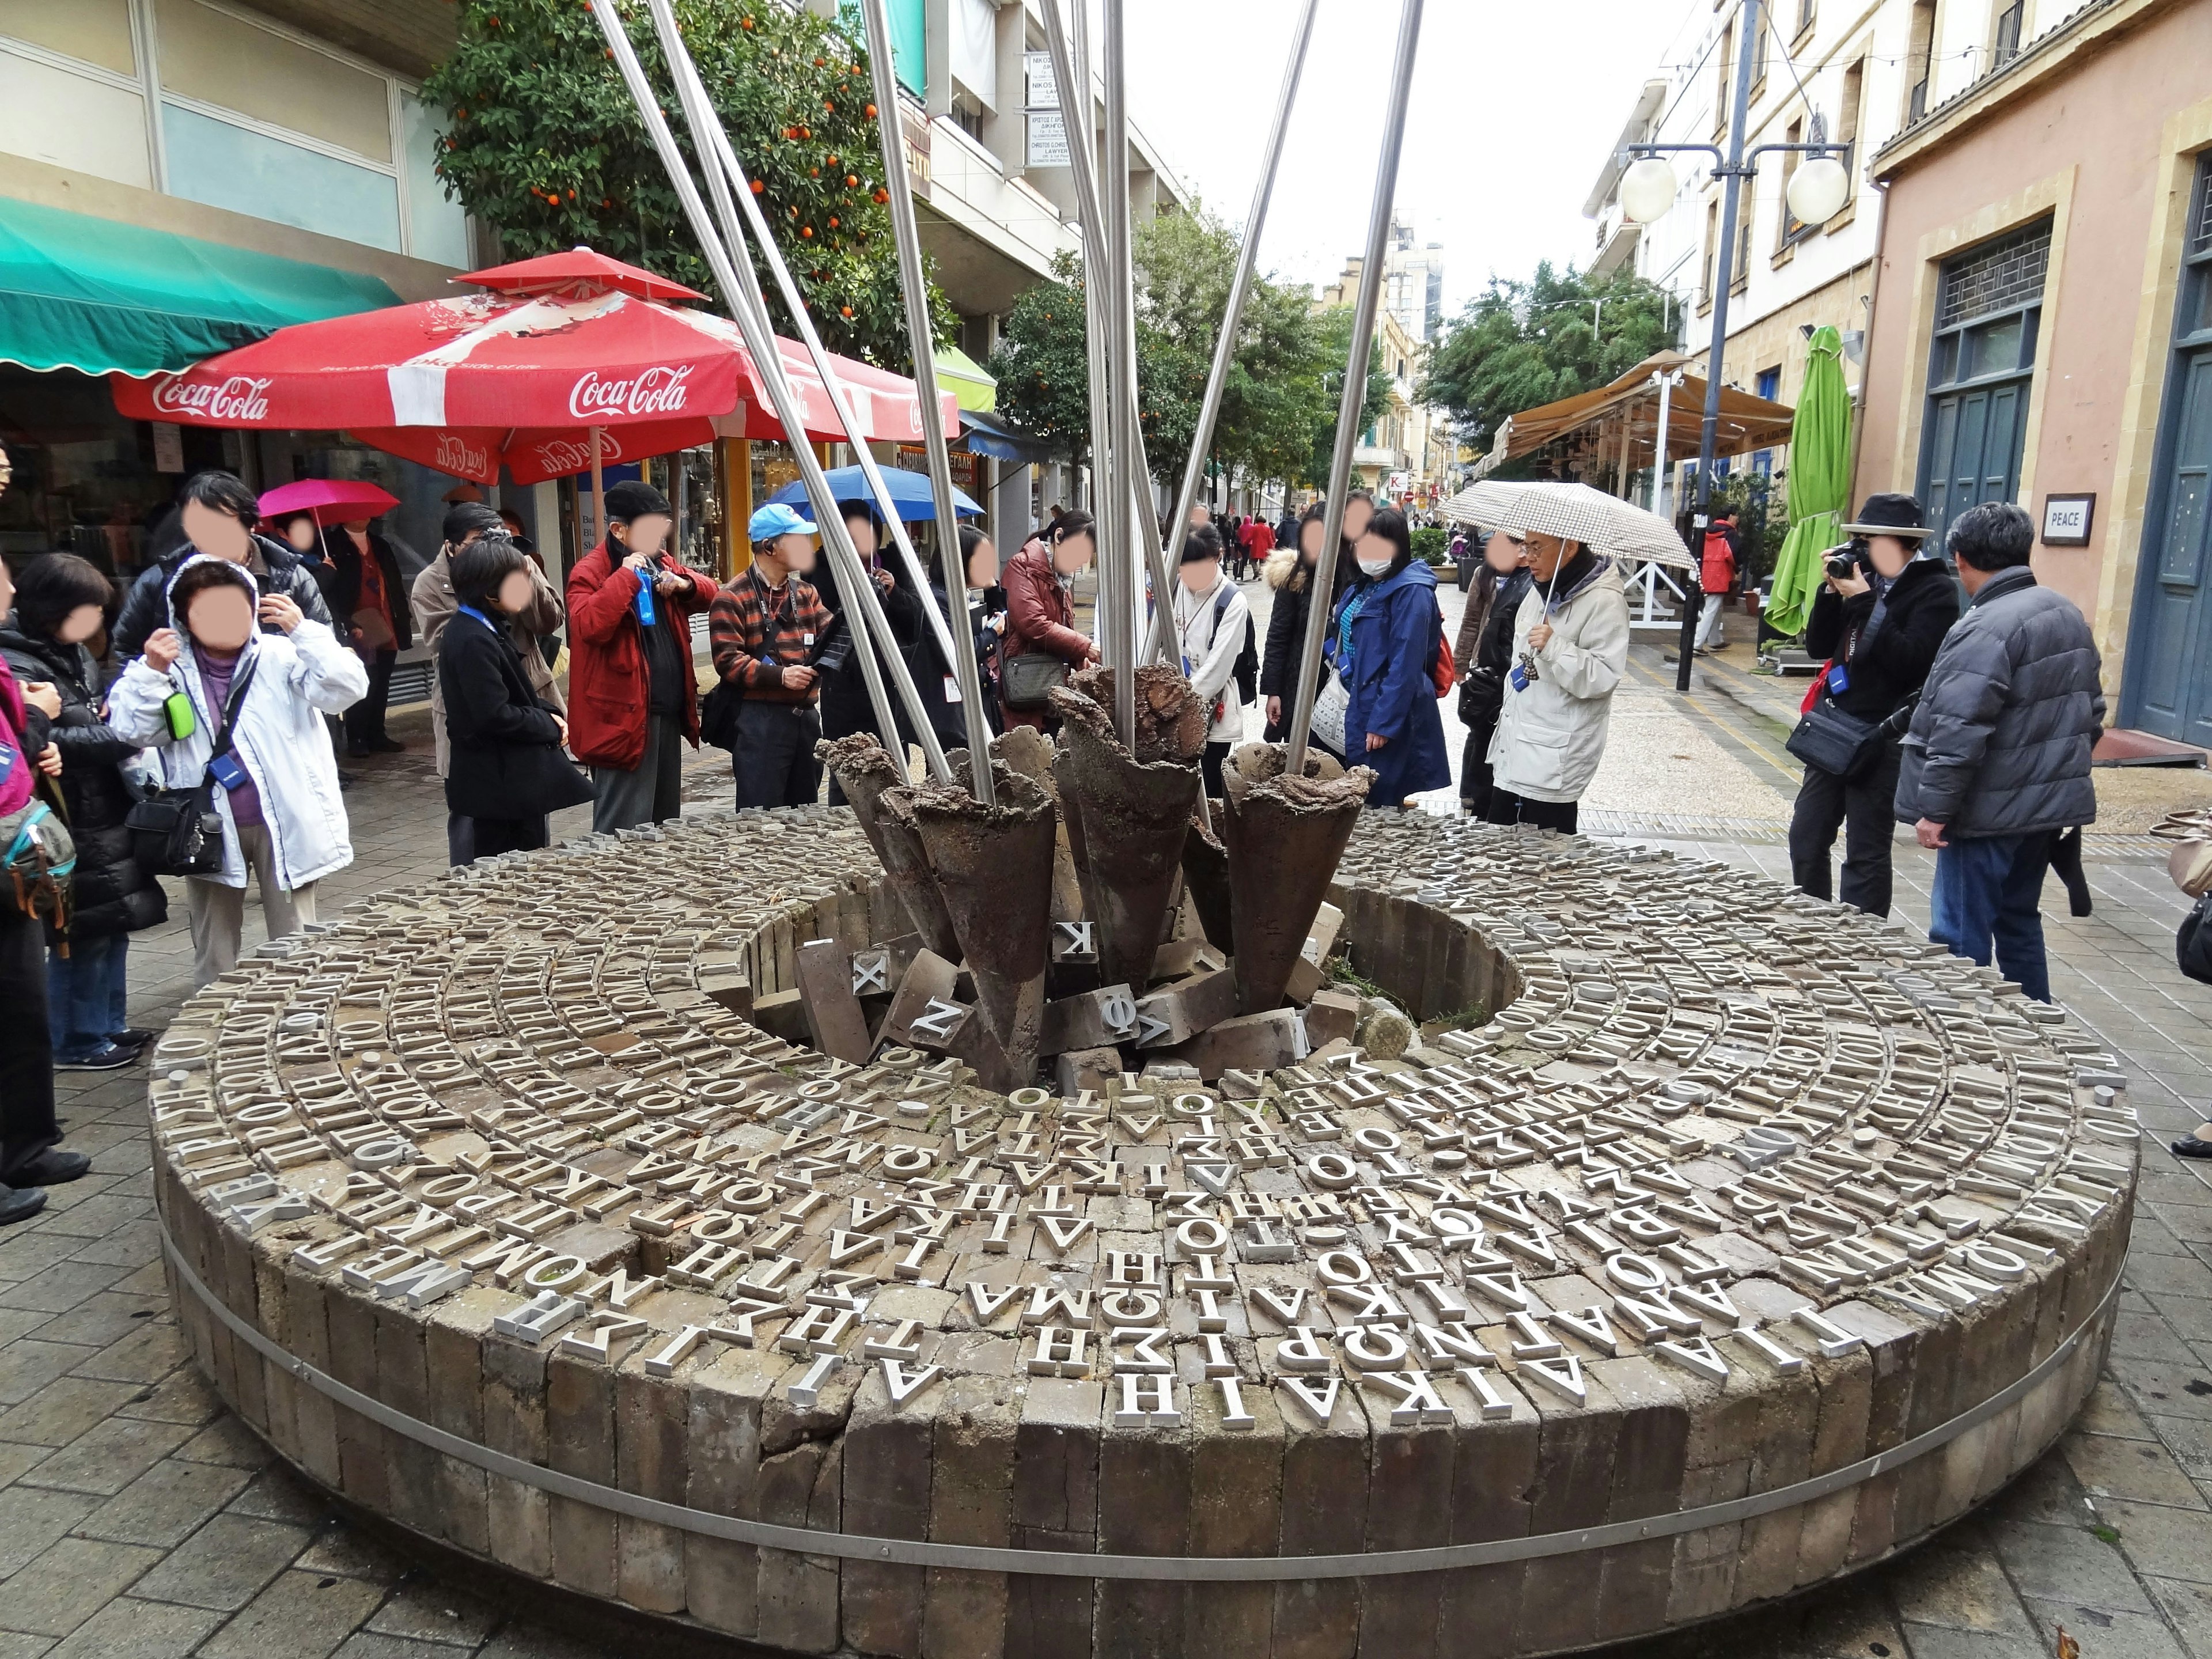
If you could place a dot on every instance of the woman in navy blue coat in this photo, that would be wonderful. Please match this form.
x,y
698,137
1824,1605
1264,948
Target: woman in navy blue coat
x,y
1384,641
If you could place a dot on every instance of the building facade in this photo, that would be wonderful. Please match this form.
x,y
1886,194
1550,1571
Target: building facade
x,y
1414,283
1405,456
2043,332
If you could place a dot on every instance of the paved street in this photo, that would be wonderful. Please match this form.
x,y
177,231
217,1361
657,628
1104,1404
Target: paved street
x,y
139,1518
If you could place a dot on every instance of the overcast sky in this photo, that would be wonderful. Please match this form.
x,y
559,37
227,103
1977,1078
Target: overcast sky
x,y
1515,108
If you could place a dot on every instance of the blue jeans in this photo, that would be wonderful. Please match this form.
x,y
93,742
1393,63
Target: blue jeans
x,y
85,999
1989,890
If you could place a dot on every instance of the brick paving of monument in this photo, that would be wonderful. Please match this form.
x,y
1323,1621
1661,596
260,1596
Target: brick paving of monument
x,y
139,1518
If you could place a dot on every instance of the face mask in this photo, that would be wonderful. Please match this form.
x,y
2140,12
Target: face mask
x,y
1375,567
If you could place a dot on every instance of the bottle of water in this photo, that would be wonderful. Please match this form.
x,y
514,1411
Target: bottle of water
x,y
645,598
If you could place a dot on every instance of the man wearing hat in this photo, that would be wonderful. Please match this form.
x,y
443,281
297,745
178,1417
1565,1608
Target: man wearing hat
x,y
633,694
1880,625
1997,764
764,627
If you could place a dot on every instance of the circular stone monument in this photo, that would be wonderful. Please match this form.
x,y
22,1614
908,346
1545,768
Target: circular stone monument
x,y
1744,1243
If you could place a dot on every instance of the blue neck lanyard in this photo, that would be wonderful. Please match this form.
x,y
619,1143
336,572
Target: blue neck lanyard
x,y
470,610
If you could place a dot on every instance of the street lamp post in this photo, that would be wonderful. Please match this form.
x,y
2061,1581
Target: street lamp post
x,y
1815,186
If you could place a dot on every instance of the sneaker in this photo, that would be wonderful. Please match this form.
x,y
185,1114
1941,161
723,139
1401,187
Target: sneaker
x,y
134,1037
20,1203
357,752
105,1057
2191,1146
387,746
54,1166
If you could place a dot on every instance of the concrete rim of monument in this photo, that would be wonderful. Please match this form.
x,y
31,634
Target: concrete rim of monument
x,y
1960,1352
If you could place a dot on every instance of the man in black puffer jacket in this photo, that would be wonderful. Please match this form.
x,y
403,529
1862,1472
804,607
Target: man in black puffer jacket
x,y
1997,760
217,513
58,605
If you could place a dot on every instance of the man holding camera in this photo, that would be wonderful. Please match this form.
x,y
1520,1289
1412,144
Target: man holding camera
x,y
1880,620
1997,760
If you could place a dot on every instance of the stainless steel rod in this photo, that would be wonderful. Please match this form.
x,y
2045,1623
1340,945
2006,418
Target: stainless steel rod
x,y
1117,571
1355,384
749,310
960,653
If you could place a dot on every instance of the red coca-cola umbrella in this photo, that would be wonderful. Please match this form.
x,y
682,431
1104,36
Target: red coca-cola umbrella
x,y
521,374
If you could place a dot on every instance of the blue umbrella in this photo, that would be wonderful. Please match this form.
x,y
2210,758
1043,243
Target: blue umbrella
x,y
910,493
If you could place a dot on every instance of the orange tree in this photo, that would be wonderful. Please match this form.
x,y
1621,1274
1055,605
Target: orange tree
x,y
543,144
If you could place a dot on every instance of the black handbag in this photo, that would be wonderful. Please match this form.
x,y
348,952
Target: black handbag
x,y
1843,744
1025,680
178,832
2192,945
718,713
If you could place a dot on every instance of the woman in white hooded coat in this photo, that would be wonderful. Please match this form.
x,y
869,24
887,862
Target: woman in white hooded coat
x,y
1570,651
282,813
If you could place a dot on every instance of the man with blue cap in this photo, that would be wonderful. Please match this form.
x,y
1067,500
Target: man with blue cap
x,y
766,628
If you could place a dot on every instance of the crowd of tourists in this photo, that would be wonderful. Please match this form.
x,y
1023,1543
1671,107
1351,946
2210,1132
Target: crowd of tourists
x,y
190,726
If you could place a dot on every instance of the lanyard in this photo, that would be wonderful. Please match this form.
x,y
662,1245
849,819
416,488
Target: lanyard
x,y
470,610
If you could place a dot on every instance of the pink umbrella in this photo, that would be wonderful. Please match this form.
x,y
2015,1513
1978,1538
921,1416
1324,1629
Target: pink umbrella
x,y
332,500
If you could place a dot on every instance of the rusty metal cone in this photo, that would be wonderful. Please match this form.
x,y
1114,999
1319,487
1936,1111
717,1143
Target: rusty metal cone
x,y
1205,873
866,771
1030,753
994,870
1284,837
1132,816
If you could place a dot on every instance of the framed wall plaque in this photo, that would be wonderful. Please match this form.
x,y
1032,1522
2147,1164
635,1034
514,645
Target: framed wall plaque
x,y
2066,519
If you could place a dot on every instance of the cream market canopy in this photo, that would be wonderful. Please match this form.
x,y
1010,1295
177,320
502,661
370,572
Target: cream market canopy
x,y
1590,425
108,298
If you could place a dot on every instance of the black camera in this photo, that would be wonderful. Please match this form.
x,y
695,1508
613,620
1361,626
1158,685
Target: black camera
x,y
1848,558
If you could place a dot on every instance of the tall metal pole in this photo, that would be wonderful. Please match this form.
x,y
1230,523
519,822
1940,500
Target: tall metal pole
x,y
749,310
1117,572
1248,257
1355,384
962,655
1667,382
1732,177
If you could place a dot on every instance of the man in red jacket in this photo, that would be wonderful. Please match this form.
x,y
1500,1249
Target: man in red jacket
x,y
1716,571
632,693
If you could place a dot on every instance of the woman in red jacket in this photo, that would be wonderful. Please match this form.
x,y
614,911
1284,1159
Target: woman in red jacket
x,y
633,693
1040,614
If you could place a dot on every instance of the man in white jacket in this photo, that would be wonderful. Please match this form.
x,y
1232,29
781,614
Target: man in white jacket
x,y
1210,615
277,781
1570,651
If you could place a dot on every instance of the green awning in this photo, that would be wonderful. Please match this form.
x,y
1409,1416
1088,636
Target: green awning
x,y
966,380
101,296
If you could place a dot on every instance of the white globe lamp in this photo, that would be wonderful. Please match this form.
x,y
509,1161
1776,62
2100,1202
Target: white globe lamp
x,y
1647,190
1817,189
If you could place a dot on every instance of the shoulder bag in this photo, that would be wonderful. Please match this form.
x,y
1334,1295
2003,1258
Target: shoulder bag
x,y
1025,680
38,855
178,832
1843,744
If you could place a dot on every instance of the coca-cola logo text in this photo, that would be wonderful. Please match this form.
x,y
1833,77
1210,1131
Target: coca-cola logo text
x,y
656,391
455,456
238,399
564,455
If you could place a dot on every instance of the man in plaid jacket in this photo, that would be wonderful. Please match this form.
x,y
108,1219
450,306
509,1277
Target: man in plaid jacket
x,y
763,627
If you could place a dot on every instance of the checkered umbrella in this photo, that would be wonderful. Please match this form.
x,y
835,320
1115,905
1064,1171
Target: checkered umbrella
x,y
1604,523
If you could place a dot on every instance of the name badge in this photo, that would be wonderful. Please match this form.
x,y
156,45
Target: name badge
x,y
952,690
1519,677
806,639
1839,680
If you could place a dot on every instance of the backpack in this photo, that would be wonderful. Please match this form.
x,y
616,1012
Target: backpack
x,y
1443,672
1247,669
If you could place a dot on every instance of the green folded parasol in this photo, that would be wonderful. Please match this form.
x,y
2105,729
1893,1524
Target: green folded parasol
x,y
1820,451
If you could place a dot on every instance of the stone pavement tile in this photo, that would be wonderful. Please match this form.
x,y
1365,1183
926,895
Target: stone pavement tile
x,y
2190,1440
1939,1642
422,1609
368,1644
2109,1467
301,1616
70,1583
126,1247
102,1319
340,1549
30,1250
20,1321
226,1440
2188,1608
2147,1335
109,1456
2172,1543
2108,1635
17,1460
2162,1390
2178,1274
225,1563
163,1506
2069,1563
63,1410
27,1364
2189,1222
129,1629
149,1354
30,1520
1957,1581
277,1494
94,1217
183,1396
62,1286
15,1646
2046,1490
146,1281
2148,1236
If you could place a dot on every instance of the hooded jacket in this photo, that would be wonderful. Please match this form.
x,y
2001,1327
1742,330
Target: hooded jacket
x,y
342,563
608,684
276,569
1039,616
1212,629
280,740
1390,691
2000,744
1286,622
112,893
1551,733
432,601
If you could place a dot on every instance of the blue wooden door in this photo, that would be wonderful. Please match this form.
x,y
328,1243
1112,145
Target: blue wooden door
x,y
2172,660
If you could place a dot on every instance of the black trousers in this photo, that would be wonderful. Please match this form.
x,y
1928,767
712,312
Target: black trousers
x,y
1506,807
460,839
27,1045
1861,806
1475,771
364,721
1209,767
774,760
491,835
